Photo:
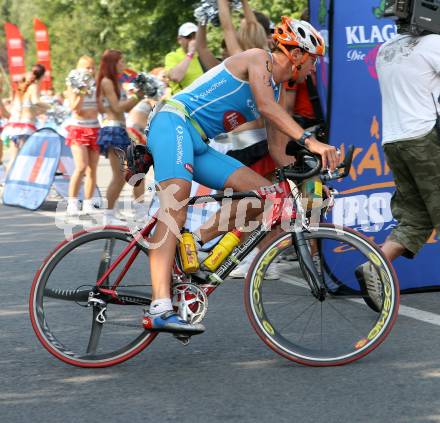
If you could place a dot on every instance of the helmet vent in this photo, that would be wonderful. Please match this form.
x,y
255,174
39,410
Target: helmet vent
x,y
313,40
302,32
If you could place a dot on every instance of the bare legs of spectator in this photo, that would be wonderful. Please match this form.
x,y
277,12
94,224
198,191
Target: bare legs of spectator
x,y
86,163
15,148
116,184
392,249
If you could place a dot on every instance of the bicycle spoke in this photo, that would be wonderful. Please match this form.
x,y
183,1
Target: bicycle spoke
x,y
95,333
72,320
322,319
307,324
360,332
344,330
105,261
298,316
286,304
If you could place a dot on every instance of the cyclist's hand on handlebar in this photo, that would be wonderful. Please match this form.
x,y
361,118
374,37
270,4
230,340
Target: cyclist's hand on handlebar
x,y
328,153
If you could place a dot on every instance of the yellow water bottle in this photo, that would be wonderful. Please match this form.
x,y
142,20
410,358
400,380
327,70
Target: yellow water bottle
x,y
222,250
188,252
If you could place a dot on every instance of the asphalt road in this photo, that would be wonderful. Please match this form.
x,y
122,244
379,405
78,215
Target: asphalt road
x,y
224,375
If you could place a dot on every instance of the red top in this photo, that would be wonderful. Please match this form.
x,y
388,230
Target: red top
x,y
303,105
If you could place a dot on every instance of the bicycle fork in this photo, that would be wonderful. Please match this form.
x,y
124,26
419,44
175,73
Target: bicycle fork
x,y
312,276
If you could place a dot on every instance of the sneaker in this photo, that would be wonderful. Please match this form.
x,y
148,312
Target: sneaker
x,y
370,281
90,208
139,213
272,273
109,219
170,322
288,256
241,270
73,207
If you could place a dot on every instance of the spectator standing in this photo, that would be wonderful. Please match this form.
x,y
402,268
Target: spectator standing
x,y
4,114
408,67
409,76
113,103
182,65
25,108
82,137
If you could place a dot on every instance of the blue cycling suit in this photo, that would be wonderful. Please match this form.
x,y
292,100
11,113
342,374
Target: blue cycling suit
x,y
219,102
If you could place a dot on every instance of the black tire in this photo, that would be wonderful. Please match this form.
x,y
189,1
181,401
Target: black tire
x,y
60,291
282,311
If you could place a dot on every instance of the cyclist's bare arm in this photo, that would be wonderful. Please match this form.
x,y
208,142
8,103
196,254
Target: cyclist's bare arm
x,y
277,140
259,69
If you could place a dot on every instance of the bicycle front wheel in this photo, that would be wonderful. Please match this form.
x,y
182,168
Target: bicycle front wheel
x,y
71,321
337,326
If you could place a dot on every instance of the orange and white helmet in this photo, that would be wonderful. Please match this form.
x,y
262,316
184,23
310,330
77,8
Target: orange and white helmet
x,y
293,32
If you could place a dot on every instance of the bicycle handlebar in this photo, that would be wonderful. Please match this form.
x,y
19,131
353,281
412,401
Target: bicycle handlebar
x,y
309,164
345,165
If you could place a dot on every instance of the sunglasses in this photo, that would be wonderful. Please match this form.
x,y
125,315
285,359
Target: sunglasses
x,y
190,36
314,59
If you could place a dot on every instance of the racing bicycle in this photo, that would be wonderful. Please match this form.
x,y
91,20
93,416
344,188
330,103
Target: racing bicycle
x,y
87,298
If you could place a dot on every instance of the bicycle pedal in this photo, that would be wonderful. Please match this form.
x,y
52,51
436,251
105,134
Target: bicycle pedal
x,y
184,339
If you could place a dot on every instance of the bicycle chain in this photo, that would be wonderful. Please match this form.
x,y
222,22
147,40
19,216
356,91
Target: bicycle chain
x,y
128,325
132,325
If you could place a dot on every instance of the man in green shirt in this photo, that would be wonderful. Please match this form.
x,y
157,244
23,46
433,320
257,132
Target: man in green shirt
x,y
182,65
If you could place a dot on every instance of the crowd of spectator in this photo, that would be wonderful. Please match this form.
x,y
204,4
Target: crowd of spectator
x,y
106,116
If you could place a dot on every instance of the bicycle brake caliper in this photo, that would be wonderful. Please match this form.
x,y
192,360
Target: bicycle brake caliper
x,y
102,305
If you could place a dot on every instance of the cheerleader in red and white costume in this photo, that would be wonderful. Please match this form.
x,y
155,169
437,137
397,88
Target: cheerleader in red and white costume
x,y
4,114
25,108
82,136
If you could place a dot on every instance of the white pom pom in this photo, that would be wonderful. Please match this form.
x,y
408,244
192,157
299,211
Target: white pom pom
x,y
151,86
80,81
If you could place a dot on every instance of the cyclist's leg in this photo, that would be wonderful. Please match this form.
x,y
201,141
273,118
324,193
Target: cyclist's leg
x,y
171,145
220,171
164,240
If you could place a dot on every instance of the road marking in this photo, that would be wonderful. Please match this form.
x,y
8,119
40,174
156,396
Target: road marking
x,y
423,316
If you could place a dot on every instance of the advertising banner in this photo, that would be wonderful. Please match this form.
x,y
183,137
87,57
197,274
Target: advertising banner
x,y
356,32
15,46
33,171
320,12
43,52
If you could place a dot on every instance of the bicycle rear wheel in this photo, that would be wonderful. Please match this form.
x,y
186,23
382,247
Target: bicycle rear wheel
x,y
336,329
71,321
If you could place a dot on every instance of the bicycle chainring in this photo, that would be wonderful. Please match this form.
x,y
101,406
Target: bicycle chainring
x,y
191,302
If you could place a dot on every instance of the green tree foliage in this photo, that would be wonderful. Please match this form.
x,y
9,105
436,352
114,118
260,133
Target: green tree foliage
x,y
144,30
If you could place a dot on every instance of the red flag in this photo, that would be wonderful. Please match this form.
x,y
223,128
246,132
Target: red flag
x,y
43,52
15,47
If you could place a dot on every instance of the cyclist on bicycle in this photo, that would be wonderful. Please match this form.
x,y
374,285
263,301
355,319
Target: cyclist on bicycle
x,y
240,89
